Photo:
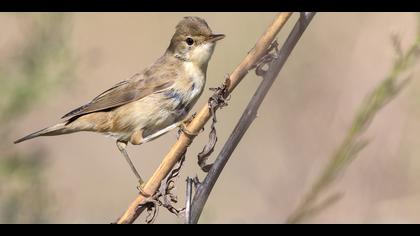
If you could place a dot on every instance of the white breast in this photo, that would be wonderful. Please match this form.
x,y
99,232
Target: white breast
x,y
197,76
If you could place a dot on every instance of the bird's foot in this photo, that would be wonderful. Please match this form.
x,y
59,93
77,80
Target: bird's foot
x,y
185,123
183,128
140,188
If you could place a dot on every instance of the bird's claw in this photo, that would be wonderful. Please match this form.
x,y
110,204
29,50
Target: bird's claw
x,y
183,128
140,188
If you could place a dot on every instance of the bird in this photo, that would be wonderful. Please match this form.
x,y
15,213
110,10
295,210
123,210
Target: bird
x,y
151,102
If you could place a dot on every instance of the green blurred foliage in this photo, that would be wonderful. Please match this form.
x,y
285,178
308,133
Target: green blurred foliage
x,y
24,197
37,64
40,63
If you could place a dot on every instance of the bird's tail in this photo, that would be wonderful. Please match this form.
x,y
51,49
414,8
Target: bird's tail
x,y
50,131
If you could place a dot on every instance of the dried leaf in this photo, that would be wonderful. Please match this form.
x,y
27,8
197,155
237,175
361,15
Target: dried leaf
x,y
217,100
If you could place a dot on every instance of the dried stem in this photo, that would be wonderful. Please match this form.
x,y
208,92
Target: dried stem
x,y
181,145
248,116
353,143
188,199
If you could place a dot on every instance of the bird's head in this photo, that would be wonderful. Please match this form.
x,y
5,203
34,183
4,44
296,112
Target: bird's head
x,y
193,41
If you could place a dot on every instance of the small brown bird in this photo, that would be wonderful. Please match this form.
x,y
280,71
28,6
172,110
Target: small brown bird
x,y
152,102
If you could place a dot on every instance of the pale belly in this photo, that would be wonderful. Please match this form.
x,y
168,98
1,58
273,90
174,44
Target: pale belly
x,y
153,115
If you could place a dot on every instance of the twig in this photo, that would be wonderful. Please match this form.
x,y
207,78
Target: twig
x,y
188,200
353,143
164,196
181,145
248,116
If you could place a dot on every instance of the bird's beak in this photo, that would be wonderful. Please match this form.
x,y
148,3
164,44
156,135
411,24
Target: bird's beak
x,y
215,37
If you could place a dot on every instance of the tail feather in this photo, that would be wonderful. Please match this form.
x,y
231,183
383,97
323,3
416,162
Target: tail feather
x,y
50,131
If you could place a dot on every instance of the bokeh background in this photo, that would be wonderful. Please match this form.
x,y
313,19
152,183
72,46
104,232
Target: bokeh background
x,y
52,63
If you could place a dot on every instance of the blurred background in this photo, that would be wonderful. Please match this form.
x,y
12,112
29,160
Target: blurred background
x,y
51,63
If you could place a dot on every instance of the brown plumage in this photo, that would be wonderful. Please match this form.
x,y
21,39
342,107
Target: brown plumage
x,y
152,102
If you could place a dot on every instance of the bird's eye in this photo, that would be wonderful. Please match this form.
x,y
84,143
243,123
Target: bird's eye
x,y
189,41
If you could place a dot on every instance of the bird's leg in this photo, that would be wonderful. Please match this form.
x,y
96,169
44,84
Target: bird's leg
x,y
122,147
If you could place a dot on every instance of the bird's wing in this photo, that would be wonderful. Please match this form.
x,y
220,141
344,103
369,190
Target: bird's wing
x,y
127,91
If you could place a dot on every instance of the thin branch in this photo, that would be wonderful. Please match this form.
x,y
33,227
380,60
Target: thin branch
x,y
188,199
248,116
181,145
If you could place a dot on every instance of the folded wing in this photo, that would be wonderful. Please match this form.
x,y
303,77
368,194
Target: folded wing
x,y
137,87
